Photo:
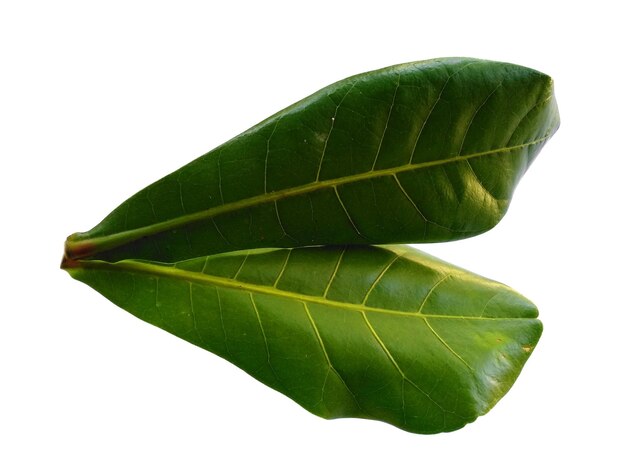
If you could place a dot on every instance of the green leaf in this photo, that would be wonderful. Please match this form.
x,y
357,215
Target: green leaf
x,y
421,152
390,333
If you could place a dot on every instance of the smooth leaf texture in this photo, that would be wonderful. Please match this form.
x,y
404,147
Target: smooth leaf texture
x,y
383,333
421,152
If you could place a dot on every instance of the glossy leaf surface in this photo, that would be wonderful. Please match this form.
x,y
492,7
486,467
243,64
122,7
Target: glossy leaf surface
x,y
382,333
421,152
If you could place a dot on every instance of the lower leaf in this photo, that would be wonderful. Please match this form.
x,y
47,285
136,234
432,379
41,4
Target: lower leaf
x,y
385,333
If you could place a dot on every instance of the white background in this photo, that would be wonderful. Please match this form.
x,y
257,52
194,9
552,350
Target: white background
x,y
99,99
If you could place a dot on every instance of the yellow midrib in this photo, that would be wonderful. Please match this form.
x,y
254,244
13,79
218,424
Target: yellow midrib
x,y
140,267
107,242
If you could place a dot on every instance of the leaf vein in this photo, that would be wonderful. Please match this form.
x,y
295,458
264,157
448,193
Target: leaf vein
x,y
282,269
334,273
485,190
395,363
432,108
382,138
327,357
267,346
169,271
378,278
345,209
330,131
447,346
471,121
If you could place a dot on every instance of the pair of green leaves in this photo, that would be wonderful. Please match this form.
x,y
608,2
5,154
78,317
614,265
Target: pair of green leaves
x,y
262,251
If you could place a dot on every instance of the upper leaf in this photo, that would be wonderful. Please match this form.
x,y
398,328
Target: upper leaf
x,y
383,333
421,152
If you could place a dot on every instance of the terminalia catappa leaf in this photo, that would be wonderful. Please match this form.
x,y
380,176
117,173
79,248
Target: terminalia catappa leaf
x,y
422,152
262,251
383,333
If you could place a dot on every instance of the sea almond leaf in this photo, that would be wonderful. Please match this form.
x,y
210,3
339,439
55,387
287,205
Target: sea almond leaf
x,y
421,152
385,333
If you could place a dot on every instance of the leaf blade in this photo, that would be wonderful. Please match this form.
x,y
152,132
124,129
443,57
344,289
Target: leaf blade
x,y
353,349
419,152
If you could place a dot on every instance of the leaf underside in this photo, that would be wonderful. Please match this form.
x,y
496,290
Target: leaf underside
x,y
383,333
262,250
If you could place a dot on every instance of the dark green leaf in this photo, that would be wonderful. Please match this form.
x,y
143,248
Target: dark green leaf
x,y
383,333
421,152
